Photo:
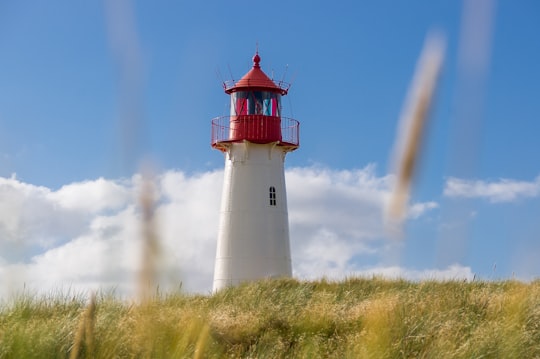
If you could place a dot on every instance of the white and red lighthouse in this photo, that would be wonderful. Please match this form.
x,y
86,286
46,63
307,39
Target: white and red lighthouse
x,y
253,238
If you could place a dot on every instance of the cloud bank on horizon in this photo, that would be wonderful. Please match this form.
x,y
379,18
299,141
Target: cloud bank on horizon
x,y
87,235
502,190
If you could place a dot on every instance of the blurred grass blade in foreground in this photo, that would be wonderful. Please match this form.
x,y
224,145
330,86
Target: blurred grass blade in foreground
x,y
411,129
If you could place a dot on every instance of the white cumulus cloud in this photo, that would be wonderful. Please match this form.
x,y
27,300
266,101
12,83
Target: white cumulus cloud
x,y
93,196
87,235
503,190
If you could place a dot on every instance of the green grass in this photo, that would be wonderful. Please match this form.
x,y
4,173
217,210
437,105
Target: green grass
x,y
356,318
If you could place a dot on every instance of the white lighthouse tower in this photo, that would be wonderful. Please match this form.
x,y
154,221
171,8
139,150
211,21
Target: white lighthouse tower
x,y
253,239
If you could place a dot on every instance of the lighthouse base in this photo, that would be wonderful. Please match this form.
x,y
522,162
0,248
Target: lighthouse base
x,y
253,239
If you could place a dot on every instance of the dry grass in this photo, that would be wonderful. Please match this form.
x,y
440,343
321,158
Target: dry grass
x,y
356,318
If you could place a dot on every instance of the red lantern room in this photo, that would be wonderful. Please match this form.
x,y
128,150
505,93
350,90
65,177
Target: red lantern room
x,y
255,114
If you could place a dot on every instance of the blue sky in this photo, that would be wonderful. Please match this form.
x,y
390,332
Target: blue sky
x,y
89,89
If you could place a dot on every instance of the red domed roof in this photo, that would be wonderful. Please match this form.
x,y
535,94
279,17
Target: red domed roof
x,y
256,79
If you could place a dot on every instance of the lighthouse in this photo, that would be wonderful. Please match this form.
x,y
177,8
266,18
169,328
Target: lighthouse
x,y
253,235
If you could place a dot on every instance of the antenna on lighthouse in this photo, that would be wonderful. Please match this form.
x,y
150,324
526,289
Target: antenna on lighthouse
x,y
230,72
220,77
284,73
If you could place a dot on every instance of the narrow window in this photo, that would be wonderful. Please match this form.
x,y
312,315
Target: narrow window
x,y
272,196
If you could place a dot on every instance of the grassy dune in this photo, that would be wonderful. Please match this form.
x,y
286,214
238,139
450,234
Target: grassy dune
x,y
356,318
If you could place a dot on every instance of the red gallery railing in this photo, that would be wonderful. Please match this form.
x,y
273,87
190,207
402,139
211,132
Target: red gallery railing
x,y
256,129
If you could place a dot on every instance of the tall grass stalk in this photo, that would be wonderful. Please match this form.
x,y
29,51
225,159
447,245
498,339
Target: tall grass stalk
x,y
84,336
150,239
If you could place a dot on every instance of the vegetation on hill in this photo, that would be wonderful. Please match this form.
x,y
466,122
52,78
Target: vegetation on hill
x,y
356,318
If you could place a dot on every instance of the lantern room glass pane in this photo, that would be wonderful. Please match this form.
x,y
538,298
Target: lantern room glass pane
x,y
255,103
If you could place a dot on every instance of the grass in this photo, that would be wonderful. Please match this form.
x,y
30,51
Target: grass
x,y
355,318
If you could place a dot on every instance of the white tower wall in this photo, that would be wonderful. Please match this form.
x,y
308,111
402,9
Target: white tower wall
x,y
253,238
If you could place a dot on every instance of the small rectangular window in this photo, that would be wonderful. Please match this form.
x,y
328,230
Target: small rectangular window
x,y
272,196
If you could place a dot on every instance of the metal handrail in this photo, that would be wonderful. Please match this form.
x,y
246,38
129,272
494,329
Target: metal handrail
x,y
221,129
282,85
